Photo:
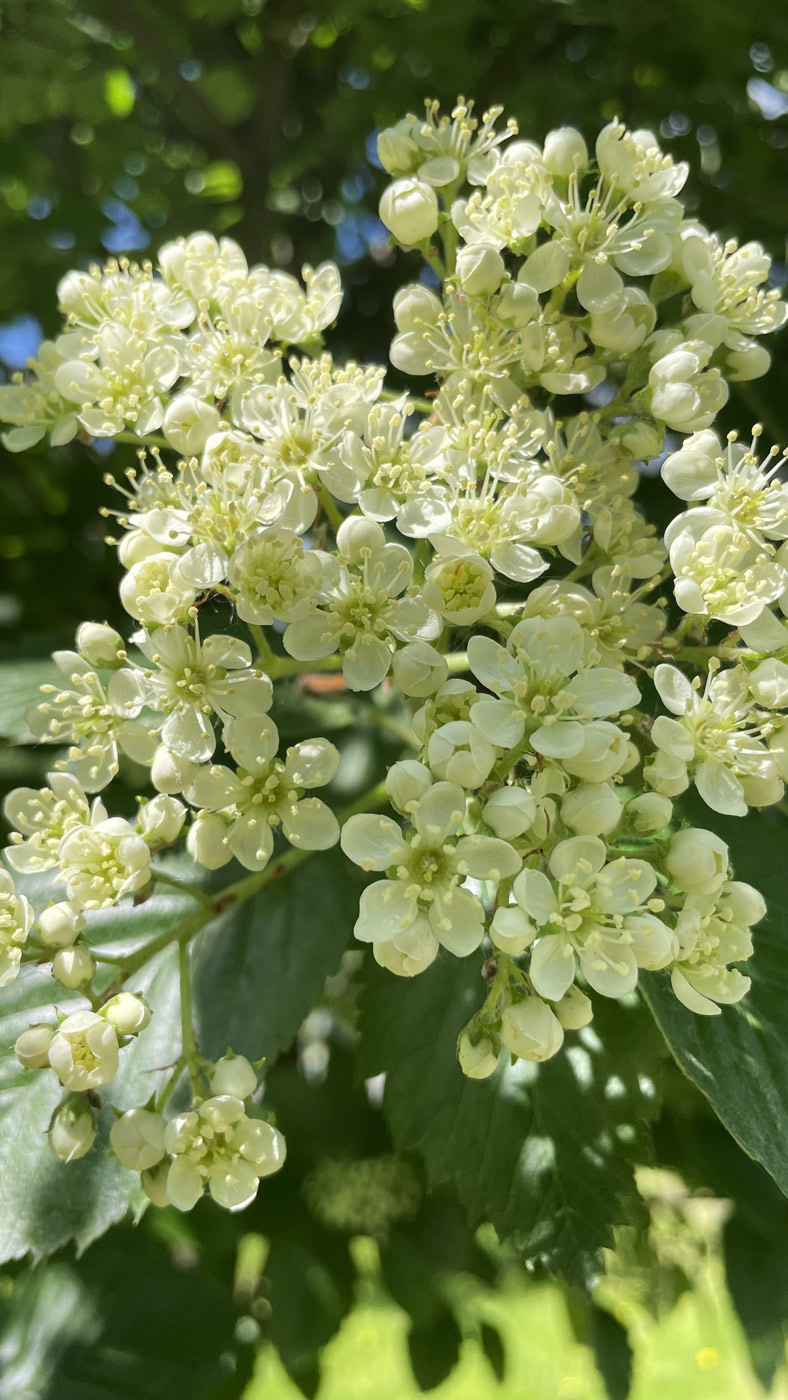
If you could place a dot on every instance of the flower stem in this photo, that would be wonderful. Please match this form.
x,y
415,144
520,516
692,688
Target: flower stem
x,y
189,1053
160,878
333,513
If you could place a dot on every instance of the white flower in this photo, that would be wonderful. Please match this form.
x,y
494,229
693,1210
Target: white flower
x,y
265,794
193,679
42,817
84,1051
409,210
697,860
545,694
34,406
716,738
189,422
359,608
200,264
273,576
16,918
155,592
424,895
218,1146
103,861
530,1030
713,930
297,316
458,584
300,422
718,570
727,280
591,912
94,720
120,380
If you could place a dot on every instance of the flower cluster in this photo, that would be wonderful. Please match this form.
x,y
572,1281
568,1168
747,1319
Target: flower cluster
x,y
477,553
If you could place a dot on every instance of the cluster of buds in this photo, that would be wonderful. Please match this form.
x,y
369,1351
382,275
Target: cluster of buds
x,y
478,552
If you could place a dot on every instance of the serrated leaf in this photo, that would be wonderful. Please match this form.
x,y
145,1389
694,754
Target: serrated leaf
x,y
739,1059
259,969
544,1152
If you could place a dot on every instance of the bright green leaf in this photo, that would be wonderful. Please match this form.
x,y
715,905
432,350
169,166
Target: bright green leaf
x,y
119,92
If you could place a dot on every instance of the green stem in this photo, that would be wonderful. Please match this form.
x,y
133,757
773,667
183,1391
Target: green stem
x,y
333,513
160,878
150,440
189,1053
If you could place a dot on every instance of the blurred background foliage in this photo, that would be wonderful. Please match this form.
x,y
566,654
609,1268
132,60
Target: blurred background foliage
x,y
128,122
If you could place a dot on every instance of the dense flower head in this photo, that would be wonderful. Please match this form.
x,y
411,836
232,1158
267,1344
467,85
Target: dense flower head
x,y
467,561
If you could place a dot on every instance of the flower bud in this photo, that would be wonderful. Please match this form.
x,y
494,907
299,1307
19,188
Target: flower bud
x,y
169,772
397,151
101,645
60,925
460,754
530,1031
574,1010
32,1046
666,774
207,840
478,1060
357,537
649,813
234,1075
509,812
189,422
769,683
409,210
697,860
72,967
480,269
154,1184
161,819
591,809
72,1130
129,1014
564,151
406,782
418,669
137,1139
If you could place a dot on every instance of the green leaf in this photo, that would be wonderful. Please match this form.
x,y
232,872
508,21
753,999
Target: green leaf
x,y
102,1329
542,1151
612,1351
739,1059
46,1203
258,971
20,689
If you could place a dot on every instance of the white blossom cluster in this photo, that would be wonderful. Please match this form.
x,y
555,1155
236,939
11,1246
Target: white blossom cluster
x,y
477,552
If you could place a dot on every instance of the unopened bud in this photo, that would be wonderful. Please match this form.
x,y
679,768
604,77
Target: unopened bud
x,y
409,210
234,1075
32,1046
480,269
697,860
477,1060
72,1130
60,925
101,645
161,819
129,1014
72,967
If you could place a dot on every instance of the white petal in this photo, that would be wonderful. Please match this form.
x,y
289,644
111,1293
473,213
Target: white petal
x,y
457,920
552,966
373,842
